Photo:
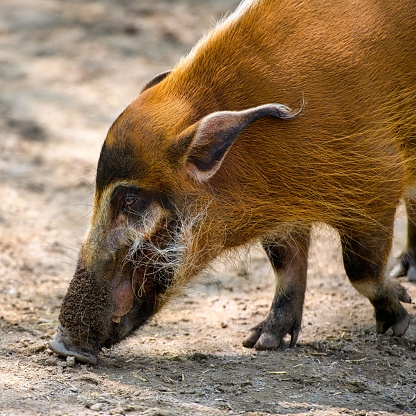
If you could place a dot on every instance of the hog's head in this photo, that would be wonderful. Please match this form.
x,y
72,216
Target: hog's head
x,y
157,220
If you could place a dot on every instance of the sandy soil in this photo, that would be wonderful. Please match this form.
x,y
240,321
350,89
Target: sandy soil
x,y
67,69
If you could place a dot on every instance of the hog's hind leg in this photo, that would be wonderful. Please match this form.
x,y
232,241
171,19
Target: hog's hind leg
x,y
365,259
289,259
406,265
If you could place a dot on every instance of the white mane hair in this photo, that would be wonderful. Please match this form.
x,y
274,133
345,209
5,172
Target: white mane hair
x,y
239,11
227,20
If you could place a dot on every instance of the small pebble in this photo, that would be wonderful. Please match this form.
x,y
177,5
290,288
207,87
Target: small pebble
x,y
97,407
70,361
117,411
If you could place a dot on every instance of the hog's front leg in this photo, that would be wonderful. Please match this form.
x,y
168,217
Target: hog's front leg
x,y
289,259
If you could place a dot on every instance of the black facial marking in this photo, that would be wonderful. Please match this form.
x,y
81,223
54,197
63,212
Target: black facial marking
x,y
117,163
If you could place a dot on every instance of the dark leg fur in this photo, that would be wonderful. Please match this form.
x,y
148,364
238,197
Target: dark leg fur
x,y
290,261
407,260
365,258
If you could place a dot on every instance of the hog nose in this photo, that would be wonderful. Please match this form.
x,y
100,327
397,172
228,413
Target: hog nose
x,y
63,346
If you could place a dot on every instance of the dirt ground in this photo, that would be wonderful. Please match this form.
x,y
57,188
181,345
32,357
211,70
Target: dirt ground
x,y
67,69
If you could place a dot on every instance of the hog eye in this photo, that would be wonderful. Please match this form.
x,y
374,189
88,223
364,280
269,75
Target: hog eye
x,y
129,200
135,204
132,203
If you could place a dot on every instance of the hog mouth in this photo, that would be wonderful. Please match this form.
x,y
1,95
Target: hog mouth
x,y
63,346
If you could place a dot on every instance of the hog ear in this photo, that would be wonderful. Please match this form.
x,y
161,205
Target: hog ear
x,y
155,80
211,138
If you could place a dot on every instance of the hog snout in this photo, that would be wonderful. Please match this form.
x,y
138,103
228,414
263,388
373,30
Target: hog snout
x,y
64,346
100,311
85,316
